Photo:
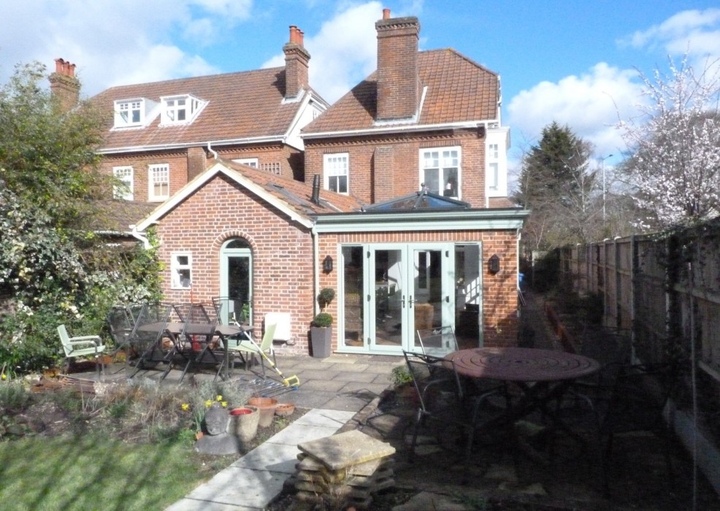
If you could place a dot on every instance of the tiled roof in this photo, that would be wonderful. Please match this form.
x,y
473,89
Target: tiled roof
x,y
458,90
118,215
297,194
240,105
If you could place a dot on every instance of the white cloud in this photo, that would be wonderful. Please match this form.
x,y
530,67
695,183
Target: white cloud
x,y
590,104
114,42
343,52
692,32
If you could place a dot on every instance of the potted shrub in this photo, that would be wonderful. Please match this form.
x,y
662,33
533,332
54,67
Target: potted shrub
x,y
321,326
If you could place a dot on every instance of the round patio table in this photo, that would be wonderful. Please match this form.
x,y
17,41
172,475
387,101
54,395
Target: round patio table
x,y
522,364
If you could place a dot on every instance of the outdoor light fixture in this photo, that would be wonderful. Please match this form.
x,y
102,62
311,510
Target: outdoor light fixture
x,y
494,264
327,264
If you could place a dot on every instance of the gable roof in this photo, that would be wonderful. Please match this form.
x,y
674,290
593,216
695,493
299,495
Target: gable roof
x,y
458,91
241,107
293,198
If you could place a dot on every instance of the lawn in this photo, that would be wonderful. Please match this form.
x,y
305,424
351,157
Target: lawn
x,y
119,447
93,472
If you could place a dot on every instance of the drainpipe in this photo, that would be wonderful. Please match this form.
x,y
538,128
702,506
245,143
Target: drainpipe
x,y
210,149
316,268
136,234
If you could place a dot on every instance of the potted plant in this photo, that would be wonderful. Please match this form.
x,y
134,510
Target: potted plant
x,y
321,326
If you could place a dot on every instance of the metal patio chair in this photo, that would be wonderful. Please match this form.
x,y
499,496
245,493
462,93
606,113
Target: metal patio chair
x,y
442,399
442,339
147,336
82,346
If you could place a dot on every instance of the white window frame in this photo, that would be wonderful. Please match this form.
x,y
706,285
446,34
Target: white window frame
x,y
129,113
179,110
493,166
180,270
335,167
496,145
250,162
446,163
124,190
155,171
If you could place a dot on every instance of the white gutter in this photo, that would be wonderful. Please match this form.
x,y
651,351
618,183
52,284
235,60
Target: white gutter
x,y
403,128
185,145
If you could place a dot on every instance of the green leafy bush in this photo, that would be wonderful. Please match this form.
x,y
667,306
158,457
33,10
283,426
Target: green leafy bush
x,y
323,319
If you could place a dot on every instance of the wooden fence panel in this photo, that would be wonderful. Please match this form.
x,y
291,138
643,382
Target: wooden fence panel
x,y
631,274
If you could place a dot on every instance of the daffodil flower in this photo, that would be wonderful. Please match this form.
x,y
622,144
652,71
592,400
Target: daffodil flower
x,y
224,404
208,403
218,398
185,407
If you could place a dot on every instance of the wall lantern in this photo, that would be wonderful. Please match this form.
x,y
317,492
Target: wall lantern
x,y
327,264
494,264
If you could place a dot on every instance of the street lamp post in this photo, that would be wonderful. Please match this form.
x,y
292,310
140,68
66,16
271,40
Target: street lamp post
x,y
602,166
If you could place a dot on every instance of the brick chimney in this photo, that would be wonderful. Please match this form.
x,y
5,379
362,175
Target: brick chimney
x,y
64,86
296,64
397,69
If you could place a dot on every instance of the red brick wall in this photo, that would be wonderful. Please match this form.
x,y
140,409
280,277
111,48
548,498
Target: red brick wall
x,y
278,159
141,161
500,302
397,70
282,253
369,174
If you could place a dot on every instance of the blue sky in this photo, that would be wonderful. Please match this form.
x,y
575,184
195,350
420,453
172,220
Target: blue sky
x,y
572,61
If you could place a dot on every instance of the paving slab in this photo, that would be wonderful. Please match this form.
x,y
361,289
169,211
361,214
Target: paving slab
x,y
239,486
317,374
294,436
361,388
323,385
325,418
347,402
277,458
354,368
314,399
355,377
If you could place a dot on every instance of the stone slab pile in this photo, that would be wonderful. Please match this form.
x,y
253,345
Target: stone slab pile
x,y
346,469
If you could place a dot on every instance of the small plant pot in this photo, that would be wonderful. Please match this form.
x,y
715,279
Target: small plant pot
x,y
284,409
244,422
266,407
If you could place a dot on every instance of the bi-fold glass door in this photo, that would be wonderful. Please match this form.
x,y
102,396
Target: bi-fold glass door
x,y
391,290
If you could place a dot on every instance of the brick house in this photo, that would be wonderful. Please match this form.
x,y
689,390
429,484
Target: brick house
x,y
160,134
401,206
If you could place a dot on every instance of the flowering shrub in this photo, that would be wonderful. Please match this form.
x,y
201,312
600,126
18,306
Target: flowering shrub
x,y
51,282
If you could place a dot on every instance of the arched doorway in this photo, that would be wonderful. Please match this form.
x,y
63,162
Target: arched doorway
x,y
236,279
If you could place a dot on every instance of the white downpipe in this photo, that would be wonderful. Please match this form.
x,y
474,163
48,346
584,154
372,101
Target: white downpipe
x,y
210,149
316,269
137,235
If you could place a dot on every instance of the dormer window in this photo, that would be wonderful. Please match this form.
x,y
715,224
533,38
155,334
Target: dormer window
x,y
180,109
132,112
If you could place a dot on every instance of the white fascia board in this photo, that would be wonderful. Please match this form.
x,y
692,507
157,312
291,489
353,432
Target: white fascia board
x,y
203,178
292,135
422,221
185,145
384,130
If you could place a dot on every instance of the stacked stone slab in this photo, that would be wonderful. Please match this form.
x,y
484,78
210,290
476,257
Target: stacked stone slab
x,y
346,469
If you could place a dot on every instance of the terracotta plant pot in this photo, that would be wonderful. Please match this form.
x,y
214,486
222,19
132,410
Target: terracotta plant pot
x,y
284,409
266,406
244,422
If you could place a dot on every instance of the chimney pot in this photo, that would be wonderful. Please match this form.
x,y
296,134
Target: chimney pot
x,y
386,14
64,85
296,64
